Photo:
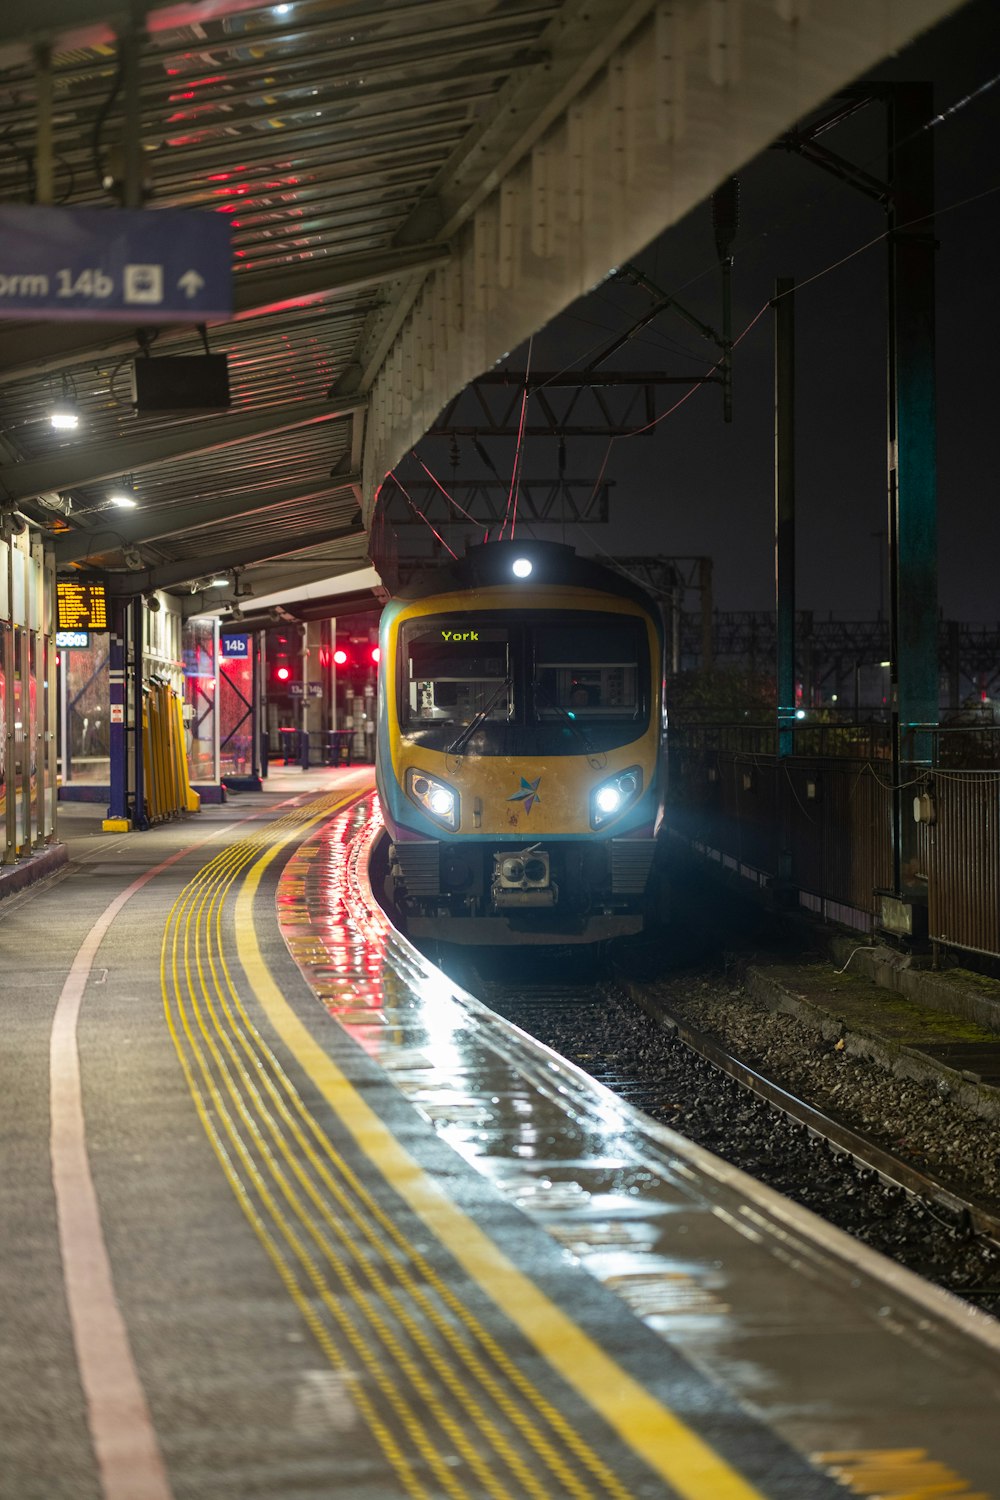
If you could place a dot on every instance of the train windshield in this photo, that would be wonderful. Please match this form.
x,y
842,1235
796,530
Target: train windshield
x,y
534,682
588,668
453,674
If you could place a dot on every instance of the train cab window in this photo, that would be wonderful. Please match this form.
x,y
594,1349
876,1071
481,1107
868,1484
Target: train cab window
x,y
453,671
590,668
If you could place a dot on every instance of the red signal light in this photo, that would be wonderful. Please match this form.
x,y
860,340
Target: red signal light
x,y
376,655
283,673
340,657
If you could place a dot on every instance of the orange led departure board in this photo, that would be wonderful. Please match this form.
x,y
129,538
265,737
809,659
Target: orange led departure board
x,y
81,606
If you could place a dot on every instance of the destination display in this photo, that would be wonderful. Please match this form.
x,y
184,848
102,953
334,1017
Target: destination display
x,y
81,606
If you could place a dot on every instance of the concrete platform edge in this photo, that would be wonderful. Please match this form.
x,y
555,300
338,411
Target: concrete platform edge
x,y
14,878
960,992
895,1057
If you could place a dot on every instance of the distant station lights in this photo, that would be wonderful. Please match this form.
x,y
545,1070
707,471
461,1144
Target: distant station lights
x,y
355,655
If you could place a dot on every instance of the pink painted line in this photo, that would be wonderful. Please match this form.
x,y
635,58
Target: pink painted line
x,y
128,1455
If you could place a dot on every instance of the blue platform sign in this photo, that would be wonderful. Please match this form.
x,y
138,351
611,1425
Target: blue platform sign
x,y
134,265
236,647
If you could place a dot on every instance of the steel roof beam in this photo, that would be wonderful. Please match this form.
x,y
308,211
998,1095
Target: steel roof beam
x,y
95,462
268,579
68,27
172,574
40,348
156,523
581,39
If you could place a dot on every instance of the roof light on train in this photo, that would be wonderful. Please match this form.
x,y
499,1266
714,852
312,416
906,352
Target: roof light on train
x,y
521,567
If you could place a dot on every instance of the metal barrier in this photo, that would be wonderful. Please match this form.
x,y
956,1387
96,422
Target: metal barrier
x,y
318,747
818,828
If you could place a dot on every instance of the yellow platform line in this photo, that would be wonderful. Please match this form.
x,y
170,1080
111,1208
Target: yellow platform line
x,y
196,914
233,1152
257,1078
654,1432
199,920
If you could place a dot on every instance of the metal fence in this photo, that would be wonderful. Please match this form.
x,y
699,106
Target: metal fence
x,y
817,826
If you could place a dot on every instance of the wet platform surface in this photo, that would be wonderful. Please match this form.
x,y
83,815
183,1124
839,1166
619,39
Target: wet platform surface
x,y
361,1238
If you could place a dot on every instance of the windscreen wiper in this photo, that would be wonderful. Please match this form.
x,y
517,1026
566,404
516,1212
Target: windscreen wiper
x,y
459,744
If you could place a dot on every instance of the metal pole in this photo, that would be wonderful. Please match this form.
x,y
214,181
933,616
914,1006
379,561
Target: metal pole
x,y
912,466
38,624
255,755
27,744
705,592
117,820
139,818
44,155
784,508
130,45
10,783
52,702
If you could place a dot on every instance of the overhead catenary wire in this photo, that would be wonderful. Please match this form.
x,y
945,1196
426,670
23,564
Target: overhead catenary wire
x,y
418,512
438,485
515,478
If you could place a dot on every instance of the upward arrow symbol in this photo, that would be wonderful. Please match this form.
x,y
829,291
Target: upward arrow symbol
x,y
191,284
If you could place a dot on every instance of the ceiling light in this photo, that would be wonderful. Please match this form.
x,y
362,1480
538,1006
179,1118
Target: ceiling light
x,y
64,416
122,498
218,583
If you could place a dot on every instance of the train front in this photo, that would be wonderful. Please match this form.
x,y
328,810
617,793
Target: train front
x,y
519,748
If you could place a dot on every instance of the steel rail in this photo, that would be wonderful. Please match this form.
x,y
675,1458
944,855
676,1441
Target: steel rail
x,y
890,1168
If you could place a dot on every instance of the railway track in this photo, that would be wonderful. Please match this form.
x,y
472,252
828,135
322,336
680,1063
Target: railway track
x,y
680,1077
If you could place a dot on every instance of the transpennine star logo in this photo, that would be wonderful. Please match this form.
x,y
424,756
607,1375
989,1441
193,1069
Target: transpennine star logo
x,y
528,794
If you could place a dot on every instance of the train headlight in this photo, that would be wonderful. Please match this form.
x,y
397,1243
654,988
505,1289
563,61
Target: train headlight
x,y
435,797
612,797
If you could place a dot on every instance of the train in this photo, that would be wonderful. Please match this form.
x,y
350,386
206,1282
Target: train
x,y
519,753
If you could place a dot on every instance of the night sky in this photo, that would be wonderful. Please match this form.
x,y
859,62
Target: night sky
x,y
700,486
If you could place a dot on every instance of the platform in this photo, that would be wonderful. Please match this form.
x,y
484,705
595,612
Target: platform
x,y
288,1214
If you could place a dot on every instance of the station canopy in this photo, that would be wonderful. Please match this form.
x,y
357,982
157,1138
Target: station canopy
x,y
412,187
